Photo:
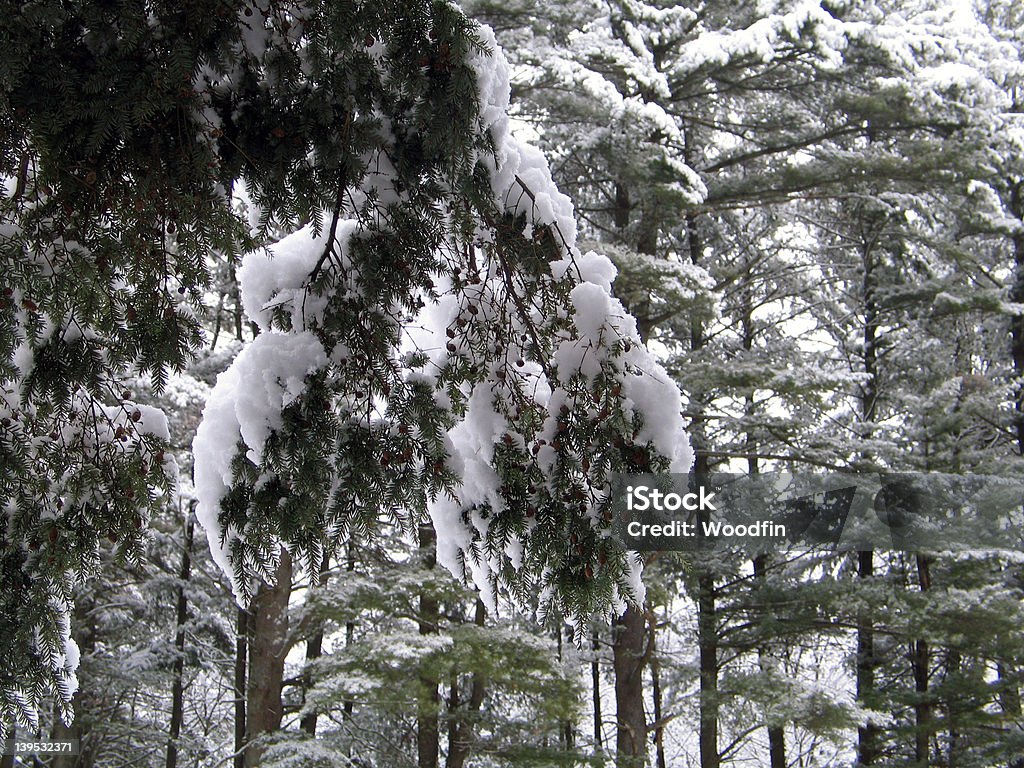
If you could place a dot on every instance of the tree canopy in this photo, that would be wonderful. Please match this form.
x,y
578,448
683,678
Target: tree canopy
x,y
432,339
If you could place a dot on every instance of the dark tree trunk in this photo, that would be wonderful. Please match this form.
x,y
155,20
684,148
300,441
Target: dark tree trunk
x,y
776,734
620,211
869,389
1009,675
181,617
921,662
707,621
1017,321
241,669
595,681
629,658
659,715
236,299
268,647
867,735
460,735
427,736
350,626
776,746
707,642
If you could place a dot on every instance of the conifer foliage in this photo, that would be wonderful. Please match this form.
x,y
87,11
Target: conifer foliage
x,y
432,340
110,204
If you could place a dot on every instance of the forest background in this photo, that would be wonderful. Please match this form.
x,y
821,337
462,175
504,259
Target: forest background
x,y
815,211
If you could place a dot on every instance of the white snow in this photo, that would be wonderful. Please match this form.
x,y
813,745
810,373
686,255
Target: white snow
x,y
277,276
246,405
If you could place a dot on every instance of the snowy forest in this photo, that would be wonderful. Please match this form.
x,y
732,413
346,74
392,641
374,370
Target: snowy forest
x,y
324,325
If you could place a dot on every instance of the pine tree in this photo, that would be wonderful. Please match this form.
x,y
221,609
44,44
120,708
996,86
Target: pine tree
x,y
107,219
155,668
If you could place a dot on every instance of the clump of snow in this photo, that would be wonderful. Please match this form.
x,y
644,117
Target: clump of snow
x,y
591,266
520,176
278,276
152,421
72,658
761,40
64,663
246,406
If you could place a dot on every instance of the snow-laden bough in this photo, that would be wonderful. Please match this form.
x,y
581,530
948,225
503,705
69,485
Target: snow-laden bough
x,y
441,348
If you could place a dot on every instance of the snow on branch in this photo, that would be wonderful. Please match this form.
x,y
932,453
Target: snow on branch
x,y
453,355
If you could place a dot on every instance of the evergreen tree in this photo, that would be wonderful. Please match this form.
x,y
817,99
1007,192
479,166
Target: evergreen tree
x,y
814,211
107,218
891,120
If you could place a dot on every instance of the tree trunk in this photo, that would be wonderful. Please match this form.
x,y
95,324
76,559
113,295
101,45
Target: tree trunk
x,y
1017,321
776,734
236,298
629,657
707,642
867,735
73,732
427,736
707,634
268,647
460,736
350,626
1009,697
621,207
776,746
707,629
659,722
595,681
921,661
314,649
181,617
241,668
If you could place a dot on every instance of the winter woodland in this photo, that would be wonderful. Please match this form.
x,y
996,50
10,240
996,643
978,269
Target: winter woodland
x,y
324,326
